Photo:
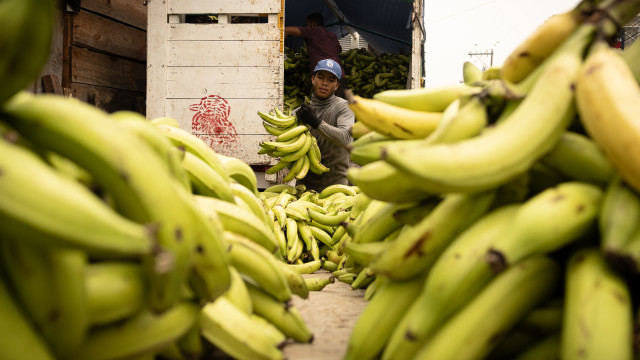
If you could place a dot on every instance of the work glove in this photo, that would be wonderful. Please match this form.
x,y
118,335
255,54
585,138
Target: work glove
x,y
306,115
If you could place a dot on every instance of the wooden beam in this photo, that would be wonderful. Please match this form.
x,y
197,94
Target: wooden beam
x,y
51,84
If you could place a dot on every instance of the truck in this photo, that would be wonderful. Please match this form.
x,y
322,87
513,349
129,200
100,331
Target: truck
x,y
210,64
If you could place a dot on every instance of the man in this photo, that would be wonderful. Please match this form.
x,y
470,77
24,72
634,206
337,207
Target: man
x,y
330,119
321,43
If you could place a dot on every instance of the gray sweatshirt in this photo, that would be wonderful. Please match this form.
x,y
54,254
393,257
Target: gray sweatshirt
x,y
333,136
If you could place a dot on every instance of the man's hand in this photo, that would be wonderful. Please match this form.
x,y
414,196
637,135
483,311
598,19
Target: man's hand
x,y
306,116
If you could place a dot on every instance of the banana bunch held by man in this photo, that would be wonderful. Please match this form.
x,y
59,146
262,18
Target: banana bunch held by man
x,y
294,145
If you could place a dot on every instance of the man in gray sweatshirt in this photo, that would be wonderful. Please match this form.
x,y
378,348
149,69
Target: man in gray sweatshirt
x,y
330,119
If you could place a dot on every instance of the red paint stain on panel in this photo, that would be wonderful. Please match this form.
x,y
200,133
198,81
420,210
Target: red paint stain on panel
x,y
211,123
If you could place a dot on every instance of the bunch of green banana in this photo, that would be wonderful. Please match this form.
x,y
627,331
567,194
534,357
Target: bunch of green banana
x,y
367,74
489,228
24,42
294,145
297,80
305,221
130,230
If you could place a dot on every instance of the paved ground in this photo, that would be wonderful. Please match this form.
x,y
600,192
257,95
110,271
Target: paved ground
x,y
330,314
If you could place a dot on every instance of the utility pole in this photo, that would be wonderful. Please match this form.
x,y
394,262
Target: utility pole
x,y
484,53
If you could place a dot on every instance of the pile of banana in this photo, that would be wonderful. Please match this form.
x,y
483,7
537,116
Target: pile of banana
x,y
136,239
307,223
296,148
297,80
367,74
521,191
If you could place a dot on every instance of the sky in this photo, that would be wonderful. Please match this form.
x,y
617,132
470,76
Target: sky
x,y
455,28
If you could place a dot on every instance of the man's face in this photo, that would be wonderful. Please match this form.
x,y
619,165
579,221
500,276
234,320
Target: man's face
x,y
324,84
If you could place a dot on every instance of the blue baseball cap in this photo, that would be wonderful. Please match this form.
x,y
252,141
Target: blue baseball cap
x,y
330,66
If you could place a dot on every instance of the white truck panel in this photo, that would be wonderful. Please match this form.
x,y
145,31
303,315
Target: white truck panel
x,y
214,77
228,82
223,6
223,53
227,32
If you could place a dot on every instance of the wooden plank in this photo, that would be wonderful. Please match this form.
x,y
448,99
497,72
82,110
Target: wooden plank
x,y
223,6
223,53
109,99
228,82
51,84
244,147
97,32
156,59
184,31
55,63
92,68
242,114
414,78
130,12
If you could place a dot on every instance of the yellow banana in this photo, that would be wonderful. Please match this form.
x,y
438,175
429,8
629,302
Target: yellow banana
x,y
456,277
315,158
145,332
618,217
293,274
26,341
63,212
237,294
115,291
285,317
50,281
381,181
391,120
495,310
608,101
577,157
235,333
539,45
598,316
471,73
193,144
546,222
511,148
460,121
359,129
418,248
435,98
276,121
238,170
547,348
172,156
252,201
296,155
239,220
318,283
204,180
127,169
257,263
